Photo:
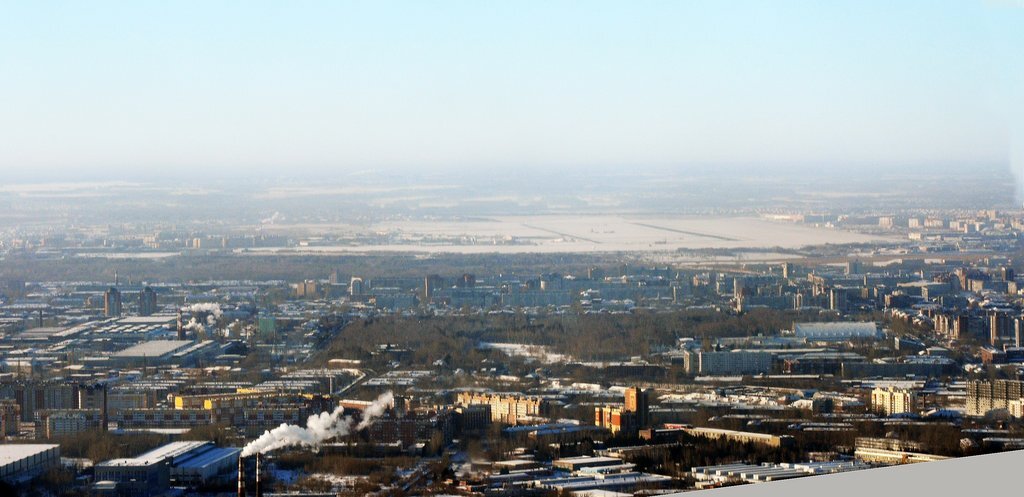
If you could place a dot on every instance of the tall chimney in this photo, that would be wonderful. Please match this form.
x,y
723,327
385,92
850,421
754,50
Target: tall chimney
x,y
104,416
258,489
181,330
241,476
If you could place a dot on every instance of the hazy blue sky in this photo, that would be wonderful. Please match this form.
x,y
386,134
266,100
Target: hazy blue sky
x,y
249,85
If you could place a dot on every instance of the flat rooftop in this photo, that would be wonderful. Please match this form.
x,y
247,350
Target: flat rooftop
x,y
154,348
582,461
137,325
16,452
155,319
51,332
836,328
207,457
171,450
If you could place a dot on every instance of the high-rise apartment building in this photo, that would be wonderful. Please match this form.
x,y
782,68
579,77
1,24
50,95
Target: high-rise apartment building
x,y
505,408
147,302
112,302
638,401
984,396
889,401
10,418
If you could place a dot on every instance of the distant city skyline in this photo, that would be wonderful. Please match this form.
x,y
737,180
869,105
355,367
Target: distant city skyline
x,y
257,87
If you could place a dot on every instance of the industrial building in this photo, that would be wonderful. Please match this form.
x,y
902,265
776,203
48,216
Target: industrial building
x,y
625,481
556,432
191,464
728,362
578,463
739,436
137,328
758,473
205,465
837,332
156,352
22,462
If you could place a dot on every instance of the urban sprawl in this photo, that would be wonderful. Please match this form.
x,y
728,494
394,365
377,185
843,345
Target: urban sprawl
x,y
605,374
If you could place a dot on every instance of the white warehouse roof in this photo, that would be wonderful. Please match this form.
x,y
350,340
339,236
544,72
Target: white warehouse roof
x,y
837,331
16,452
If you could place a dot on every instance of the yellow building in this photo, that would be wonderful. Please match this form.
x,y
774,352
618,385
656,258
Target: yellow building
x,y
505,408
740,436
616,419
1016,408
889,401
638,401
238,408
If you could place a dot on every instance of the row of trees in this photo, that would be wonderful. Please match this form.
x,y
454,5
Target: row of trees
x,y
455,340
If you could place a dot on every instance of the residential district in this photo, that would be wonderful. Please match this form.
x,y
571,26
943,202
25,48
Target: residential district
x,y
618,378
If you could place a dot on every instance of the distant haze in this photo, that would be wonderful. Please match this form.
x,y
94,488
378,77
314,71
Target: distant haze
x,y
197,89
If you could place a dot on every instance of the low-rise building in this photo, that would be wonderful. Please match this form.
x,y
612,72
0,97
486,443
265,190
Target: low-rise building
x,y
758,473
740,436
837,332
22,462
190,464
885,456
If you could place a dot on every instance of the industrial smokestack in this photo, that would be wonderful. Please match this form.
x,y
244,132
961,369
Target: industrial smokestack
x,y
258,489
105,418
181,331
241,476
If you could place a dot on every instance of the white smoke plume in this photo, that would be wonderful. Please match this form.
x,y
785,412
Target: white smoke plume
x,y
376,409
272,219
212,308
319,428
192,325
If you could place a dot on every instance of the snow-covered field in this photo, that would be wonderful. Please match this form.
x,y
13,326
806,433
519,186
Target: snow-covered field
x,y
538,352
584,234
